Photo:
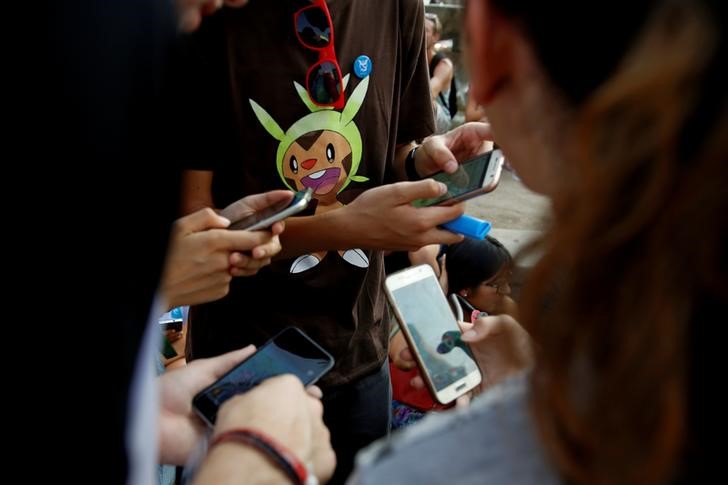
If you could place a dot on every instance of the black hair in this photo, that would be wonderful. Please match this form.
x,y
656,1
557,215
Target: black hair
x,y
579,43
470,262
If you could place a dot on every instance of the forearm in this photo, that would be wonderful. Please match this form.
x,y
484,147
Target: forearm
x,y
196,191
329,231
441,78
352,226
236,463
436,88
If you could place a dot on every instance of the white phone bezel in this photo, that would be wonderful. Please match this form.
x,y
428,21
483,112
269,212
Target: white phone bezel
x,y
490,180
405,278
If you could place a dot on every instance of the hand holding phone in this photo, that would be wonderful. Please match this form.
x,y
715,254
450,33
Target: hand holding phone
x,y
445,361
475,177
266,217
289,352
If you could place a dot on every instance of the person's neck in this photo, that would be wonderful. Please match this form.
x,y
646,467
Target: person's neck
x,y
430,54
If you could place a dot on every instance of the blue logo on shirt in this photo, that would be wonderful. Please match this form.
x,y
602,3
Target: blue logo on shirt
x,y
362,66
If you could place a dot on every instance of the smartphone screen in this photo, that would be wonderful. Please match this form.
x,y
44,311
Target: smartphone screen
x,y
431,328
289,352
273,213
469,178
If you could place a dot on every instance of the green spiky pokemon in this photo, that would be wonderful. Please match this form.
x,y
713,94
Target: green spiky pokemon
x,y
321,151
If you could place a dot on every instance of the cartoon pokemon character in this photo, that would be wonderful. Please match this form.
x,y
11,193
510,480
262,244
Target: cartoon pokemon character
x,y
322,151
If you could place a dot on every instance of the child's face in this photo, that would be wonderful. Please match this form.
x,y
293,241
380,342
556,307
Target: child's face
x,y
488,295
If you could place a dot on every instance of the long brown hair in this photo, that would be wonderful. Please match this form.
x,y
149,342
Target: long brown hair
x,y
636,244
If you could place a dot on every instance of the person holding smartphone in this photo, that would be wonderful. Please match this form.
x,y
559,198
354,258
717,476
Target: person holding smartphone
x,y
628,138
278,126
475,274
288,415
204,255
201,262
105,102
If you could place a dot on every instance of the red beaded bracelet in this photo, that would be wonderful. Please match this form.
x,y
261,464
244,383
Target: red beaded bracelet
x,y
279,454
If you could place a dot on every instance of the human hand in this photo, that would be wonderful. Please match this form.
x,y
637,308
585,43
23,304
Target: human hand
x,y
500,346
248,263
197,268
442,152
190,12
384,218
400,354
281,408
428,255
179,427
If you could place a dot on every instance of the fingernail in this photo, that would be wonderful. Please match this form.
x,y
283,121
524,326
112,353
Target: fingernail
x,y
442,187
451,166
224,220
469,334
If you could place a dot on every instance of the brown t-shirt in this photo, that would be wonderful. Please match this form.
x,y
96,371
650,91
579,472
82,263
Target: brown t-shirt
x,y
276,138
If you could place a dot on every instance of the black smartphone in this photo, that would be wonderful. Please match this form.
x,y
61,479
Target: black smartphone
x,y
277,212
289,352
477,176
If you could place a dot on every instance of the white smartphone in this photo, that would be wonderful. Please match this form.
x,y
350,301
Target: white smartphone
x,y
274,213
427,322
472,178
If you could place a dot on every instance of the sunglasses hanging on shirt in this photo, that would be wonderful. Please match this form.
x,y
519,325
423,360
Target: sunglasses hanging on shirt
x,y
315,31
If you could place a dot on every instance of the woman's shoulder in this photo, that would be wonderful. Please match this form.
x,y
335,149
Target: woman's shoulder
x,y
491,441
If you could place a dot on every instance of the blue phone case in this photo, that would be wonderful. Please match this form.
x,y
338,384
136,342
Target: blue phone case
x,y
468,226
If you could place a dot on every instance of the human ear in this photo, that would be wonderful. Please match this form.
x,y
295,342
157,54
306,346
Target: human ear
x,y
492,45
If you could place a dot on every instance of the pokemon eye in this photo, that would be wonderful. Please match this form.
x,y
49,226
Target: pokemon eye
x,y
330,153
294,164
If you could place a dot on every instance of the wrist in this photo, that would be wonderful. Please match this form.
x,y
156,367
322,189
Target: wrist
x,y
227,462
410,164
347,233
277,454
328,231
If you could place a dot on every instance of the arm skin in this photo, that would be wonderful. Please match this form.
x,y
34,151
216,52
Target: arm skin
x,y
382,217
283,410
441,78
